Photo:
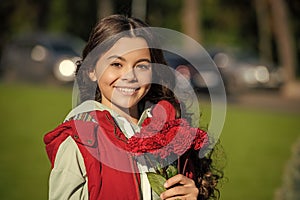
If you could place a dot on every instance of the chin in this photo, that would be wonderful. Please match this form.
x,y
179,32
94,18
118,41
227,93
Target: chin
x,y
125,105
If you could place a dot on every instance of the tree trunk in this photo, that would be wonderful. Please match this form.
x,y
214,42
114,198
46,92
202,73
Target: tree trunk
x,y
285,47
105,8
191,19
264,30
139,9
284,38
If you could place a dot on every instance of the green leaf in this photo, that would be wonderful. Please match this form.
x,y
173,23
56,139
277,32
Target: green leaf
x,y
157,182
171,171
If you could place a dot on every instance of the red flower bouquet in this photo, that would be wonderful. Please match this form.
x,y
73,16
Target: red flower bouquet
x,y
162,140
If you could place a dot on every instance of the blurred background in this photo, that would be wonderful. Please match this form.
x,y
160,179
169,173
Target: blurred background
x,y
254,44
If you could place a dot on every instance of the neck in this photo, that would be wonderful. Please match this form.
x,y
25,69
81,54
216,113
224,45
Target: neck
x,y
131,114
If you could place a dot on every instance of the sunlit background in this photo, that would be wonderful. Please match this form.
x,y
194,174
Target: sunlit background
x,y
254,44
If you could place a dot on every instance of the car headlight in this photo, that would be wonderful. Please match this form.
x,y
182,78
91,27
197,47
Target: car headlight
x,y
258,74
65,70
38,53
262,74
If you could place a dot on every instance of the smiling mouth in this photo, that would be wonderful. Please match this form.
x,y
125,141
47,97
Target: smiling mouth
x,y
126,90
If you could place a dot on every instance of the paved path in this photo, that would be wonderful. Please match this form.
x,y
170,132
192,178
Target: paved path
x,y
267,100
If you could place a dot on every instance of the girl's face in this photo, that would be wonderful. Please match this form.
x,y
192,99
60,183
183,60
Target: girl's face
x,y
124,73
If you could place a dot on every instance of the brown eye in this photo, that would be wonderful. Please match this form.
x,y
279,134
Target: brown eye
x,y
116,64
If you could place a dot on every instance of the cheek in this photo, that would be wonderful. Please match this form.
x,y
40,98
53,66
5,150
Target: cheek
x,y
145,78
107,78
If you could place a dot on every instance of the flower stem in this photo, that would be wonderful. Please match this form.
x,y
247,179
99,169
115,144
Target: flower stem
x,y
165,174
185,164
178,164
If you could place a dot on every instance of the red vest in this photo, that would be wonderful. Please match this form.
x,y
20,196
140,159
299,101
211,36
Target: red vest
x,y
111,172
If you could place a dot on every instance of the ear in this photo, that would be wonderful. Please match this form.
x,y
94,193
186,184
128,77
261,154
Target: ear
x,y
92,75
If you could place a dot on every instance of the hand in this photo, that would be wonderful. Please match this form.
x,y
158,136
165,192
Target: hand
x,y
180,187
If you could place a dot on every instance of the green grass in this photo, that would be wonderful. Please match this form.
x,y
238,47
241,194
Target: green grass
x,y
27,113
257,144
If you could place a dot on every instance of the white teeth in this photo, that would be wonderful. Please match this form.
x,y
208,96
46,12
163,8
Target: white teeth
x,y
127,90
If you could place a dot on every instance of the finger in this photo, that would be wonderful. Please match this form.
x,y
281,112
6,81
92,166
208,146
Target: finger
x,y
180,192
178,179
181,198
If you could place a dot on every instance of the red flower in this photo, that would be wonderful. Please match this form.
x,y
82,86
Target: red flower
x,y
200,140
163,135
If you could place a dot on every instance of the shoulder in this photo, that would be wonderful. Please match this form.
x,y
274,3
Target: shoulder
x,y
85,107
77,131
69,158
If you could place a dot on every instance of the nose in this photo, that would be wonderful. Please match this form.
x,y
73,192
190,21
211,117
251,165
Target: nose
x,y
129,75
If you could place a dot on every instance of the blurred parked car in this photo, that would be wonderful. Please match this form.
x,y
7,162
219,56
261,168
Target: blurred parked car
x,y
239,72
41,57
243,70
202,76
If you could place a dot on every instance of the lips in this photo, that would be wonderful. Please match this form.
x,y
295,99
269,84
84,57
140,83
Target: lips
x,y
127,90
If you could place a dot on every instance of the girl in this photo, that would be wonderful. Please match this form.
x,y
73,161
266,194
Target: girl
x,y
119,78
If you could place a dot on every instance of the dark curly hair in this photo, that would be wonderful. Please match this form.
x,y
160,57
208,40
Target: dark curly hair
x,y
105,34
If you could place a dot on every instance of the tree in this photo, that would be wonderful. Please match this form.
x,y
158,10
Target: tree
x,y
263,18
73,17
105,8
58,19
274,23
285,43
191,19
139,9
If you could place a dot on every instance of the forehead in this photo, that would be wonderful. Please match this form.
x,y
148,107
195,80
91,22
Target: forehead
x,y
127,45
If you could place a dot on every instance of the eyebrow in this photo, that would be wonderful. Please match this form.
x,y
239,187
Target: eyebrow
x,y
123,59
116,57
